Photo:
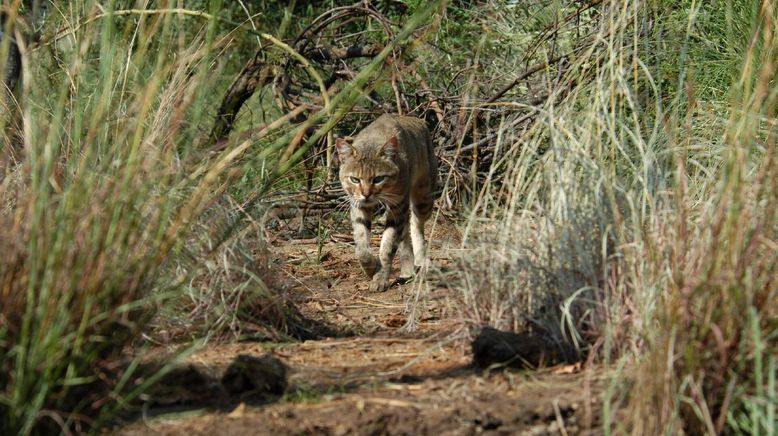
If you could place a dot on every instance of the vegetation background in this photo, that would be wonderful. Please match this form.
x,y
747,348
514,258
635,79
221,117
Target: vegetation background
x,y
612,164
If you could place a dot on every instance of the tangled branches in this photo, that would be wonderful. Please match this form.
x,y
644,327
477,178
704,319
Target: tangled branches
x,y
468,109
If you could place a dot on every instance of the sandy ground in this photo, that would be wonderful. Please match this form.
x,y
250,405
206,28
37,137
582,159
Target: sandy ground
x,y
384,378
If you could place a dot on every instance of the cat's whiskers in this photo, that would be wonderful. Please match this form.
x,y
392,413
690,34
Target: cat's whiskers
x,y
392,199
343,205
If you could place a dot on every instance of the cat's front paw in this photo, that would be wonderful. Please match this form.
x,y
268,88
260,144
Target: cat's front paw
x,y
370,266
379,283
422,264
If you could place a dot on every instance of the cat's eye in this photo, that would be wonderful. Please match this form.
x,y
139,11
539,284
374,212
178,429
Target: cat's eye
x,y
378,179
354,180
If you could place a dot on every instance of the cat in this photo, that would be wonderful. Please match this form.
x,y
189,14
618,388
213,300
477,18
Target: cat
x,y
391,163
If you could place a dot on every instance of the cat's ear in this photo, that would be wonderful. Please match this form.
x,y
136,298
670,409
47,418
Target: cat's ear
x,y
344,149
391,147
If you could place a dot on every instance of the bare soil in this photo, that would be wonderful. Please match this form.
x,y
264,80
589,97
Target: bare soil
x,y
384,377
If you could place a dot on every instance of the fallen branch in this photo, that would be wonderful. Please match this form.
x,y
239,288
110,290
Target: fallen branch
x,y
320,54
257,73
523,76
254,75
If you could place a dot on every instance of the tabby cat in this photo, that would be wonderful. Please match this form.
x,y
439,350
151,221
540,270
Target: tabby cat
x,y
390,163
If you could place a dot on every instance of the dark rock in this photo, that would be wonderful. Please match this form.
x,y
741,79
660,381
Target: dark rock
x,y
520,350
184,384
255,376
489,423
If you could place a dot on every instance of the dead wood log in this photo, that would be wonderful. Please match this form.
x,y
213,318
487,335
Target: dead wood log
x,y
324,53
253,76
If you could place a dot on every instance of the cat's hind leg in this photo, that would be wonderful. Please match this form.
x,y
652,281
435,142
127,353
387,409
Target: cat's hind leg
x,y
407,267
422,210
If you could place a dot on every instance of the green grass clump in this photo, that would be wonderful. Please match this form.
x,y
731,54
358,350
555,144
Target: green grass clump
x,y
91,215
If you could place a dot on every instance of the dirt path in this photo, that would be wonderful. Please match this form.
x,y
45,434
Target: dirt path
x,y
383,380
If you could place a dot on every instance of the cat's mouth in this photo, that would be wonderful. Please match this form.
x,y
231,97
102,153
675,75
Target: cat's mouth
x,y
367,202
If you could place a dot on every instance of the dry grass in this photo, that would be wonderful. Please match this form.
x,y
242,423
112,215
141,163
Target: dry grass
x,y
630,228
230,292
715,353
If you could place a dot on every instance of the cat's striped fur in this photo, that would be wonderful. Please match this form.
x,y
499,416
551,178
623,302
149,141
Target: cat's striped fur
x,y
390,163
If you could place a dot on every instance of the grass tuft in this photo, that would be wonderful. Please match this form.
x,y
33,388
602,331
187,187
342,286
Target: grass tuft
x,y
636,219
93,211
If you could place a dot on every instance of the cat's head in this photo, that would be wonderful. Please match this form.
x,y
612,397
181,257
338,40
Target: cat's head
x,y
368,171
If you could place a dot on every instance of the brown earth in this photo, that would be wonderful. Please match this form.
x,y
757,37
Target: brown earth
x,y
385,378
